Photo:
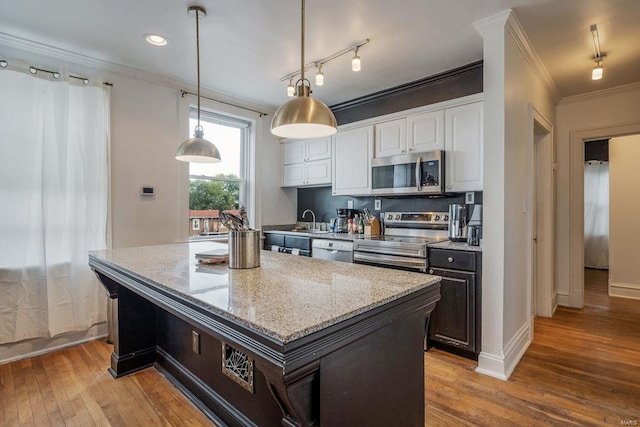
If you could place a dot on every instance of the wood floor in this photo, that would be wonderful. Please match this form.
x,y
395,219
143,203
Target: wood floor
x,y
583,368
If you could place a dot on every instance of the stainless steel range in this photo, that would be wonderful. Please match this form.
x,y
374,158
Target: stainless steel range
x,y
405,240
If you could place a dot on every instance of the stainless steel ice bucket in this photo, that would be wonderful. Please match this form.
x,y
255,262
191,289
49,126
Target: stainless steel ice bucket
x,y
244,249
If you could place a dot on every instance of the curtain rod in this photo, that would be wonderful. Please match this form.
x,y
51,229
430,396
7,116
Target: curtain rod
x,y
56,74
184,92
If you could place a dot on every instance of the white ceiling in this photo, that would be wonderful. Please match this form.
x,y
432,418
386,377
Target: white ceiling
x,y
248,45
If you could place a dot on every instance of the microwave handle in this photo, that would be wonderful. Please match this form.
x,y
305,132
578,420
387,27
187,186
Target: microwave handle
x,y
419,173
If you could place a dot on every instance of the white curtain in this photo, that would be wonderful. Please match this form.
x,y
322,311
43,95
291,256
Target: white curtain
x,y
596,214
53,203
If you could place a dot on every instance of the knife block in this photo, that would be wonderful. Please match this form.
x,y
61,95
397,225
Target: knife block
x,y
373,229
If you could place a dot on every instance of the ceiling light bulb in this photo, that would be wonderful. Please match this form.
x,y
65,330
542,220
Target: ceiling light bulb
x,y
597,72
290,89
320,77
355,62
155,40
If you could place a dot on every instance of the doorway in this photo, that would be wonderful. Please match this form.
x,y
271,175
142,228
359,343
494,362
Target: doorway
x,y
543,301
577,242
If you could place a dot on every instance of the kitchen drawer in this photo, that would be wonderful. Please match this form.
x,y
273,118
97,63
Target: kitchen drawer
x,y
273,239
296,242
455,260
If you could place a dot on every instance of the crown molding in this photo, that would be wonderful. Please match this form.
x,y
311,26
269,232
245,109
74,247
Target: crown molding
x,y
598,94
507,19
524,44
29,46
492,23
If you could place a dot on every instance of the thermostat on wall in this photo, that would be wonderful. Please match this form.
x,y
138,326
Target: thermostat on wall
x,y
147,190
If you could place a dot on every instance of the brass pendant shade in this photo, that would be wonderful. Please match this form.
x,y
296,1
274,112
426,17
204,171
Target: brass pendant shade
x,y
198,149
303,117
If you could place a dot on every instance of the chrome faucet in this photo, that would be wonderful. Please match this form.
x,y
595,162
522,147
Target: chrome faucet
x,y
312,214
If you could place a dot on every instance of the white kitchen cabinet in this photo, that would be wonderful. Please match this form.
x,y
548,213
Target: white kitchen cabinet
x,y
464,146
425,132
391,138
307,173
306,150
352,149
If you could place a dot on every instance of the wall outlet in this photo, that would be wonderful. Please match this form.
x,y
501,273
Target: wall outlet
x,y
469,197
349,204
378,205
195,342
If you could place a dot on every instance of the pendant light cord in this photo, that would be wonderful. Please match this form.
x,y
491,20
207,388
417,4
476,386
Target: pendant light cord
x,y
198,60
302,47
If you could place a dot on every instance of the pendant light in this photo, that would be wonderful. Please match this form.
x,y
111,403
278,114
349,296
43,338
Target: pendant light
x,y
303,116
198,149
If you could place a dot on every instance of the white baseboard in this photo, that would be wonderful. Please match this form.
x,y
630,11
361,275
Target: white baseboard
x,y
624,290
554,303
563,299
35,347
502,366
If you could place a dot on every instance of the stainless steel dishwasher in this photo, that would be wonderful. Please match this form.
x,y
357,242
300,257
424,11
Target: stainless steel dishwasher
x,y
334,250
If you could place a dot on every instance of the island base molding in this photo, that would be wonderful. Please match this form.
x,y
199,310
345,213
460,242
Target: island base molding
x,y
372,377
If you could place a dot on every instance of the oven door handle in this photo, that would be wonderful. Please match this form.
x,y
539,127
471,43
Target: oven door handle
x,y
414,264
419,173
418,253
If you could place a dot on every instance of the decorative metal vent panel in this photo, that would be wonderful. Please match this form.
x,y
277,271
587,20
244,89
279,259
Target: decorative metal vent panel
x,y
238,366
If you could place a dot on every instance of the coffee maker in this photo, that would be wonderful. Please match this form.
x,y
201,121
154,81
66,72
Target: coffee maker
x,y
344,214
465,223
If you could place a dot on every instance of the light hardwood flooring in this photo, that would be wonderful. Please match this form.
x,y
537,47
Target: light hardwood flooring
x,y
583,368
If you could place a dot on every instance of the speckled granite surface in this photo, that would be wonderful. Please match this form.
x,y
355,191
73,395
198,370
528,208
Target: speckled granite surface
x,y
286,298
458,246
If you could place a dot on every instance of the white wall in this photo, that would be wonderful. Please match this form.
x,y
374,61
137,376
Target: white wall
x,y
512,85
594,115
624,230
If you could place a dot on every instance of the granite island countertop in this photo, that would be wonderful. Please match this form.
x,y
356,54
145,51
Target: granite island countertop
x,y
286,298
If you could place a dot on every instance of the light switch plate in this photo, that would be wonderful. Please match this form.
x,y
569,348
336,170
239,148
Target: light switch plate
x,y
349,204
469,197
378,205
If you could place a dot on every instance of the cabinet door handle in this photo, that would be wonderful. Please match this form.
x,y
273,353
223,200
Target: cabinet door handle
x,y
450,259
431,271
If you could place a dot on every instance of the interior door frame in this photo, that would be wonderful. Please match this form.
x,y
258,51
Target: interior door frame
x,y
576,196
543,299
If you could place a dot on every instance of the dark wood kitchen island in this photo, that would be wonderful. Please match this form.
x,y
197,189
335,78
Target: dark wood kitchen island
x,y
294,342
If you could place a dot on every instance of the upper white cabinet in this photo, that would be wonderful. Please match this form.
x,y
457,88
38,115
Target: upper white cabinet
x,y
307,173
353,150
464,147
425,131
412,134
391,138
306,150
306,162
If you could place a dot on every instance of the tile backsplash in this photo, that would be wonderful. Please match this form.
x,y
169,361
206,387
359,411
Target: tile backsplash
x,y
324,204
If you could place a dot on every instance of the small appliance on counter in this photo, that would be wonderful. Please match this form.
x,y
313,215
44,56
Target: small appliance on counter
x,y
465,223
342,222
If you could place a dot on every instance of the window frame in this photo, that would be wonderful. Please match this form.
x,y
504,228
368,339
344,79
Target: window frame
x,y
196,224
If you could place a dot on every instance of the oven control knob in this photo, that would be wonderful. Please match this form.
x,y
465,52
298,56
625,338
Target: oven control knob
x,y
446,218
437,218
389,216
397,217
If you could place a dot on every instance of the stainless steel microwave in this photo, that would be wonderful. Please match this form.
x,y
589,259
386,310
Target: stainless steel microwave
x,y
408,174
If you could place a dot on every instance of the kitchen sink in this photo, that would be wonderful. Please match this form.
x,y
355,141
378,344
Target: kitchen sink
x,y
313,231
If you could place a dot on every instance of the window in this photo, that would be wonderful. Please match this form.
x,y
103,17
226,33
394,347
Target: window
x,y
217,187
196,224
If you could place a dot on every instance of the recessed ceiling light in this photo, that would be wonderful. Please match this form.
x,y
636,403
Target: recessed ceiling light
x,y
155,40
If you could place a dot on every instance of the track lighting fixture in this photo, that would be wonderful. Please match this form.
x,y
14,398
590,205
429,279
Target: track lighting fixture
x,y
290,89
355,63
319,76
598,56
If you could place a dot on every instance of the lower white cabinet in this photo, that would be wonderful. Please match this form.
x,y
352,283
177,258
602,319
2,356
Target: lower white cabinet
x,y
464,147
352,153
308,173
